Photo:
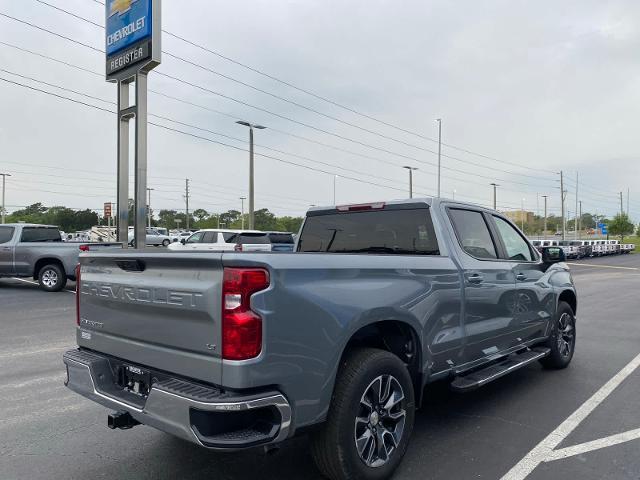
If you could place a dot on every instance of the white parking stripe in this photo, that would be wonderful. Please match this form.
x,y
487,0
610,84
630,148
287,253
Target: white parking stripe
x,y
544,450
36,283
602,266
594,445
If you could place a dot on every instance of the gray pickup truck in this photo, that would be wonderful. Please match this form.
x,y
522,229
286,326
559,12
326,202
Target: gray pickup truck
x,y
38,252
337,339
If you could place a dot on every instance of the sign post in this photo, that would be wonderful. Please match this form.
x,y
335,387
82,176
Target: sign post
x,y
132,38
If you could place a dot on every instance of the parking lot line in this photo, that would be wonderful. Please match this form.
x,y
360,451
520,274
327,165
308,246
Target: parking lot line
x,y
544,450
594,445
36,283
601,266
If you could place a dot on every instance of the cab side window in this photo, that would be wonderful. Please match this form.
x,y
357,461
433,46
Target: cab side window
x,y
473,233
516,246
195,238
6,234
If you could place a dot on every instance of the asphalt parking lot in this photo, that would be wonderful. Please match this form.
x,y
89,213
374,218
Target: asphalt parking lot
x,y
514,428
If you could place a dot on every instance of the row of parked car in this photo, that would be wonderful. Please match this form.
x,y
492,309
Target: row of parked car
x,y
236,240
577,249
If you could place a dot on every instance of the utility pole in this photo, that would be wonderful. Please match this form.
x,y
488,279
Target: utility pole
x,y
335,178
439,120
411,169
4,178
494,194
575,223
621,207
149,204
522,216
628,201
242,199
186,199
545,214
580,217
562,201
251,169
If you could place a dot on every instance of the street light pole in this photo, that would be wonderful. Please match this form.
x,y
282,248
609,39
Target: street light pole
x,y
411,169
251,170
495,185
335,178
149,204
242,199
439,120
4,178
545,215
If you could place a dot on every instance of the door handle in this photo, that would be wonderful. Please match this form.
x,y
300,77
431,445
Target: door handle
x,y
475,278
521,277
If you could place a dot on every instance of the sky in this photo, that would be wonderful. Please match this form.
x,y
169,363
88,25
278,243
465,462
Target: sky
x,y
524,89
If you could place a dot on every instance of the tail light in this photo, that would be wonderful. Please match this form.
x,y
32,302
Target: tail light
x,y
78,294
238,247
360,207
84,248
241,327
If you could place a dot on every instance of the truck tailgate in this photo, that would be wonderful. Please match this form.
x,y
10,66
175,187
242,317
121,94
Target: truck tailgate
x,y
157,309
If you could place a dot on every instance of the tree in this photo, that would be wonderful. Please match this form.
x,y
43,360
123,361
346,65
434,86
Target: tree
x,y
200,214
229,218
265,220
621,225
289,224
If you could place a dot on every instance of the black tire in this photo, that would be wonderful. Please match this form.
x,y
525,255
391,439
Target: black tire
x,y
562,341
52,278
334,448
165,243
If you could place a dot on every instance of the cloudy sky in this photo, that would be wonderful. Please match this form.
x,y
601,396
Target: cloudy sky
x,y
524,89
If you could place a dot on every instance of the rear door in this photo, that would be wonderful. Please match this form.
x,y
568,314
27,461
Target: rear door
x,y
534,296
489,287
6,250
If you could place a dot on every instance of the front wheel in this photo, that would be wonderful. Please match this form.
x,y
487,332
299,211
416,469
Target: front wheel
x,y
370,418
52,278
165,243
562,341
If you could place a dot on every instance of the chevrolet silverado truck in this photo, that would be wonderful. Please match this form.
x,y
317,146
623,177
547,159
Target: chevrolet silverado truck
x,y
337,340
38,252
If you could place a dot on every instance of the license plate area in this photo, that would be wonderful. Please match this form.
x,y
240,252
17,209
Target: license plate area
x,y
134,379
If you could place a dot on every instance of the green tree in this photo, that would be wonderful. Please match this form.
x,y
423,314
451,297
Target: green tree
x,y
265,220
200,214
230,219
289,224
621,225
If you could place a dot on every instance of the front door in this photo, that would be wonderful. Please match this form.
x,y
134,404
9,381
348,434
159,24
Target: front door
x,y
6,250
534,296
489,288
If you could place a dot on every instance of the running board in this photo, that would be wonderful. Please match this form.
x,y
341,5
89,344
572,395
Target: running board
x,y
511,363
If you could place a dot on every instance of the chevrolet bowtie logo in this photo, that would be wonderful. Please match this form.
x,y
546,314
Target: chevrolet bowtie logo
x,y
120,7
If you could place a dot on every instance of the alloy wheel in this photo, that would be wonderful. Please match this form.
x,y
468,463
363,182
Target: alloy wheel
x,y
566,335
379,425
50,278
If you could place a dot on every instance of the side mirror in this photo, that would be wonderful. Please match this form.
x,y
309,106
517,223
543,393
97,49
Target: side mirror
x,y
183,241
553,255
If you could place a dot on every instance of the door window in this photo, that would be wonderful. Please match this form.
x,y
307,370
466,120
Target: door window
x,y
195,238
6,234
516,246
210,237
473,233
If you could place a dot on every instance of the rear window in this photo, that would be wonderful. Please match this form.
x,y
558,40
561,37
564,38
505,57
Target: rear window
x,y
249,238
38,234
6,234
281,238
408,232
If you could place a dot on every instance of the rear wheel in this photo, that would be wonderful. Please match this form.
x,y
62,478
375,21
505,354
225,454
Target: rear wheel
x,y
370,418
52,278
165,243
562,341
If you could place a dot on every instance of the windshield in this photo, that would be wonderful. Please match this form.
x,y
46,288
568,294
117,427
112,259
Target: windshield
x,y
244,238
281,238
381,231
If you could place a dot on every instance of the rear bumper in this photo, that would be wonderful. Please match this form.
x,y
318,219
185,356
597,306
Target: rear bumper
x,y
204,415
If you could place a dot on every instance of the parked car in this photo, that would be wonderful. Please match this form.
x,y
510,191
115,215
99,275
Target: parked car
x,y
37,251
154,237
225,240
338,339
281,241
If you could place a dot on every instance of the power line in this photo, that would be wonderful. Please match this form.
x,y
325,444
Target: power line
x,y
284,117
337,104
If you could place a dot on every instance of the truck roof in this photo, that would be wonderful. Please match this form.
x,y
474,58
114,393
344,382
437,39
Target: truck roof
x,y
29,225
400,203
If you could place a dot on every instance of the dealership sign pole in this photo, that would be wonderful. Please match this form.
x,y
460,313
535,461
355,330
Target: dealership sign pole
x,y
132,37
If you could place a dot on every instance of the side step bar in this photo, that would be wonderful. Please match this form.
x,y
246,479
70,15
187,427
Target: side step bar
x,y
511,363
